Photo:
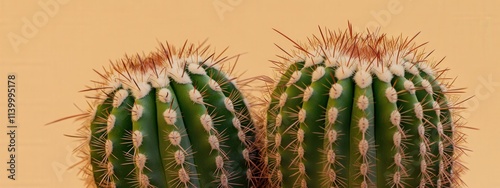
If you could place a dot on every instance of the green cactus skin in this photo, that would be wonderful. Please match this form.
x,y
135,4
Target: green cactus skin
x,y
120,117
170,119
360,110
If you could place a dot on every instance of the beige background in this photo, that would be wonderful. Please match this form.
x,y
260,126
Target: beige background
x,y
56,59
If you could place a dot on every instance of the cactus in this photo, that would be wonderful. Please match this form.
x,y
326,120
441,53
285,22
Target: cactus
x,y
172,118
361,110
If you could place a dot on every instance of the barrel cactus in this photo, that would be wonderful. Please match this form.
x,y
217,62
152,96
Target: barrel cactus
x,y
361,110
172,118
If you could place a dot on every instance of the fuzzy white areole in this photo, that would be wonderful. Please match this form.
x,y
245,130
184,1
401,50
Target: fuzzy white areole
x,y
219,162
279,175
179,157
363,78
246,155
236,123
110,171
241,136
195,59
363,147
142,89
177,73
282,100
332,176
224,180
165,95
183,176
214,85
159,79
294,78
300,135
314,60
144,180
110,123
419,112
207,122
277,139
137,138
301,57
108,148
195,96
436,108
196,69
396,178
300,152
391,95
363,125
214,142
423,149
411,68
423,169
409,86
421,131
343,72
229,104
332,115
175,138
140,161
308,92
440,129
302,115
395,118
427,86
363,102
332,61
330,157
396,139
425,67
302,170
114,82
318,73
382,72
332,136
279,119
92,112
335,91
398,159
170,116
137,111
397,69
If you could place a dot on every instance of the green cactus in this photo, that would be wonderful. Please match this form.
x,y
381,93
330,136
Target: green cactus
x,y
360,110
173,118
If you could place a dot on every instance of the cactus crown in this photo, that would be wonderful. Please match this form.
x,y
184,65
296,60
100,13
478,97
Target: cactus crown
x,y
361,110
172,118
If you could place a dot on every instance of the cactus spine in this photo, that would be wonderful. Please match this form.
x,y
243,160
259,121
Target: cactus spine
x,y
361,110
173,118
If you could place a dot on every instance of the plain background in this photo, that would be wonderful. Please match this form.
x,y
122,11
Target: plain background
x,y
55,60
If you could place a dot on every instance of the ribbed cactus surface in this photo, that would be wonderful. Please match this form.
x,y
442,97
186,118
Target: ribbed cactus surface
x,y
360,110
172,118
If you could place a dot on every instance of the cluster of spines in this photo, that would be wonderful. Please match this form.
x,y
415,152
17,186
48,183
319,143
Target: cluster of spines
x,y
361,110
169,119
